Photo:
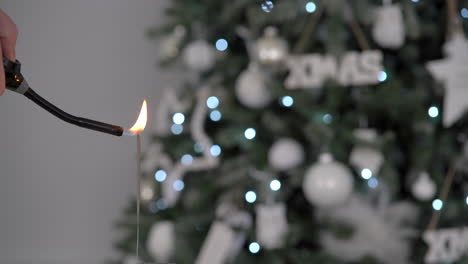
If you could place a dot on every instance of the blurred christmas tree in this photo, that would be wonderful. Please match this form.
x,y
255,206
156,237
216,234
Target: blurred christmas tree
x,y
307,132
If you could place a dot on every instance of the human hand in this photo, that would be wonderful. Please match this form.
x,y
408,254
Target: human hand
x,y
8,36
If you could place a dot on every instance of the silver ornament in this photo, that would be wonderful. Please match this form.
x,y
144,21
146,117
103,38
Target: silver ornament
x,y
161,241
251,89
199,56
424,187
327,183
271,49
285,154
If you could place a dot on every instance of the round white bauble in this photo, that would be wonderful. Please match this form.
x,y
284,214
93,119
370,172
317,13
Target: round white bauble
x,y
251,89
271,49
424,187
199,56
131,260
327,183
285,154
161,241
389,29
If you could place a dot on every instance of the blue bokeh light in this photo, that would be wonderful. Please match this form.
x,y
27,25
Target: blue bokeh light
x,y
382,76
287,101
178,185
160,175
215,150
433,111
212,102
437,204
215,115
250,196
221,44
310,7
254,247
250,133
177,129
186,159
373,183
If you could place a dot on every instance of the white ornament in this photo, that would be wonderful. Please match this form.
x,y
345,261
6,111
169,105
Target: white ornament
x,y
327,183
446,245
285,154
366,157
424,187
251,88
453,72
218,244
389,29
131,260
382,232
270,49
161,241
312,70
272,225
199,56
170,45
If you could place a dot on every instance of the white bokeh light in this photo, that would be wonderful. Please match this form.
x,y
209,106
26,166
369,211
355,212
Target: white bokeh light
x,y
287,101
215,115
250,133
177,129
215,150
382,76
250,196
178,118
212,102
160,175
221,44
186,159
275,185
254,247
437,204
178,185
366,174
433,111
310,7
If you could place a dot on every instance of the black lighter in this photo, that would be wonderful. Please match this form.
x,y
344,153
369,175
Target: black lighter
x,y
15,82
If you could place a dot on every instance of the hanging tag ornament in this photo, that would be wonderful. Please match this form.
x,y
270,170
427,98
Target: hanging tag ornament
x,y
271,225
327,183
389,28
270,49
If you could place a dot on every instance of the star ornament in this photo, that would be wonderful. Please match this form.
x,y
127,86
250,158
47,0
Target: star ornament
x,y
453,72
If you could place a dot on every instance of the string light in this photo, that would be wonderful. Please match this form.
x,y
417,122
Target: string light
x,y
414,1
212,102
366,174
197,147
221,44
464,12
178,118
466,200
437,204
250,133
160,175
178,185
382,76
254,247
250,196
186,159
177,129
433,111
373,183
275,185
215,150
267,6
327,119
215,115
310,7
287,101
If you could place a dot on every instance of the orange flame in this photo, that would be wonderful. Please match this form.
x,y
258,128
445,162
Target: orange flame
x,y
140,124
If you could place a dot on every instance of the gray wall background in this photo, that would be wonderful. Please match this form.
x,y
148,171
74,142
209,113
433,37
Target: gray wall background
x,y
62,186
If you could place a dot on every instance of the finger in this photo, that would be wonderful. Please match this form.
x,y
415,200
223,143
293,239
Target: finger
x,y
8,36
2,74
8,48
